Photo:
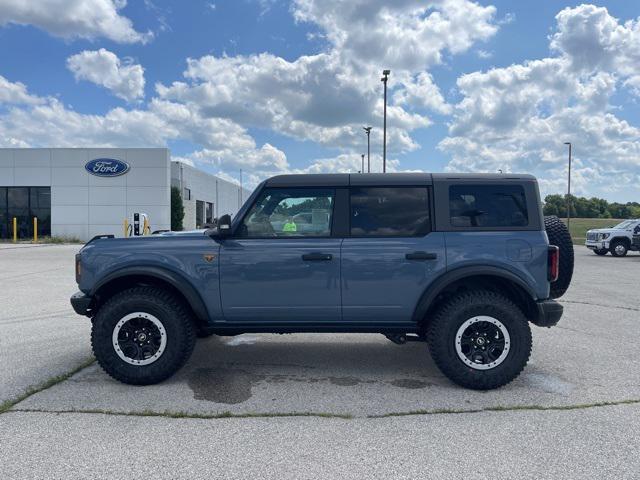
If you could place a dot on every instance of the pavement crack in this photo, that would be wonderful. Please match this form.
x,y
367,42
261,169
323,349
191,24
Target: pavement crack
x,y
342,416
632,309
8,404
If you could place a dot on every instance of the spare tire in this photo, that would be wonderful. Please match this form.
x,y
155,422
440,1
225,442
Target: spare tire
x,y
559,236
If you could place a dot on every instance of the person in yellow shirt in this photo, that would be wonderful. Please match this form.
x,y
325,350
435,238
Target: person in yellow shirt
x,y
290,226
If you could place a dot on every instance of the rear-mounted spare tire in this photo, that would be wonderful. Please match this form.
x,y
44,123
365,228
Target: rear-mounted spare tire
x,y
559,236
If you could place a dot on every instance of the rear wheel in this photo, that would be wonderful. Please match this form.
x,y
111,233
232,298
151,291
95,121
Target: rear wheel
x,y
619,248
601,251
480,340
142,335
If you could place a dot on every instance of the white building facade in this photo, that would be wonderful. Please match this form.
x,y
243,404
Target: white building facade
x,y
205,196
82,192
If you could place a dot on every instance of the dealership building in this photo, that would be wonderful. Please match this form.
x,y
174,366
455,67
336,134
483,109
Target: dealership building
x,y
83,192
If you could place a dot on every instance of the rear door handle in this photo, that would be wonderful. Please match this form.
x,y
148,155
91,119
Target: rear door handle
x,y
316,257
421,256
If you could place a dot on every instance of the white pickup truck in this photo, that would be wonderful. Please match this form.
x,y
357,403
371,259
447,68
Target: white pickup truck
x,y
618,240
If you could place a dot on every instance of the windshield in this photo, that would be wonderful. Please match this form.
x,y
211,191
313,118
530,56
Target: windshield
x,y
625,224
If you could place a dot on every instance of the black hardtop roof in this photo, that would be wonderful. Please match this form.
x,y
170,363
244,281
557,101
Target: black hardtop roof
x,y
384,179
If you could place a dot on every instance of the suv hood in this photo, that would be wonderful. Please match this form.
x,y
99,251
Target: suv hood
x,y
605,230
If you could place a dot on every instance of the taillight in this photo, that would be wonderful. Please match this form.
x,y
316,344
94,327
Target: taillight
x,y
553,262
78,268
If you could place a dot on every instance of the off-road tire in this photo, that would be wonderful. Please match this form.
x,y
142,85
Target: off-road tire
x,y
616,243
441,337
601,251
169,310
559,236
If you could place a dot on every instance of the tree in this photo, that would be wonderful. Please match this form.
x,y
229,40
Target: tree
x,y
177,209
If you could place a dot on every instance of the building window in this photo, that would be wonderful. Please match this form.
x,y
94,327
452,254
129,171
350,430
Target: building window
x,y
24,203
187,194
209,213
199,213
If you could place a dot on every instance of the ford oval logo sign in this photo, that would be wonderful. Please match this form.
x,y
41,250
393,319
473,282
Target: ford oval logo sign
x,y
107,167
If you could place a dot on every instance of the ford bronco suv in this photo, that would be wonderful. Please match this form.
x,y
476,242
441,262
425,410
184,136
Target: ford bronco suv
x,y
463,262
618,240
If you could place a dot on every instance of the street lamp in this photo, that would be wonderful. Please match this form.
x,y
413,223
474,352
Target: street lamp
x,y
385,76
569,189
362,163
368,130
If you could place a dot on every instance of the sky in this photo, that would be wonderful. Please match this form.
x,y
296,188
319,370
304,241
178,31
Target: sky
x,y
275,86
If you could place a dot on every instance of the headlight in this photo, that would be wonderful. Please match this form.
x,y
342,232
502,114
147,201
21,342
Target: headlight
x,y
604,236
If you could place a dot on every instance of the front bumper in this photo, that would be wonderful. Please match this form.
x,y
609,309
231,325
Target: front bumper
x,y
597,245
81,303
549,313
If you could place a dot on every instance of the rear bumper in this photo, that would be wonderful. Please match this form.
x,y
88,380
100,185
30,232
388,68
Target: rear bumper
x,y
549,313
81,303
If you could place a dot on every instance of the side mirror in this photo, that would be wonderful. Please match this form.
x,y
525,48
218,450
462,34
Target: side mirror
x,y
224,226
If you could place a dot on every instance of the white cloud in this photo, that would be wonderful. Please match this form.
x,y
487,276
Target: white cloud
x,y
16,93
327,97
518,117
324,98
104,68
74,18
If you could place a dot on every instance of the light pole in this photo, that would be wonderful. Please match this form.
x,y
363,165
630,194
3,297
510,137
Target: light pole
x,y
385,77
368,130
240,190
569,189
362,163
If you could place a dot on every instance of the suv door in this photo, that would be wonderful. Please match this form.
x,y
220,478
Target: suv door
x,y
391,255
281,266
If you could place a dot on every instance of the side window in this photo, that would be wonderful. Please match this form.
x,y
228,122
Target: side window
x,y
290,212
477,206
390,211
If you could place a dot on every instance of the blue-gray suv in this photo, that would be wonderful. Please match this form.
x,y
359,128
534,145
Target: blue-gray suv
x,y
462,262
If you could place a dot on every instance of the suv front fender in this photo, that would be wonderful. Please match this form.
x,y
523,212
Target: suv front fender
x,y
175,280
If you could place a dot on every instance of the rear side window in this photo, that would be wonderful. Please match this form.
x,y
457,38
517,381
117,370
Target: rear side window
x,y
477,206
389,211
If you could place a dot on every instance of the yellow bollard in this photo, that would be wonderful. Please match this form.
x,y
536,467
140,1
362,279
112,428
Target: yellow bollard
x,y
145,228
126,228
15,229
35,229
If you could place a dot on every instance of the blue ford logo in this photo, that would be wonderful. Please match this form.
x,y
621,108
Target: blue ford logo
x,y
107,167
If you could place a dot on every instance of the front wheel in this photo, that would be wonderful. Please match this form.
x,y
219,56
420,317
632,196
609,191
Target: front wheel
x,y
479,340
142,335
618,248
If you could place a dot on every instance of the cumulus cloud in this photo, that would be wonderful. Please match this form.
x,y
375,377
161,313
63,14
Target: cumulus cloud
x,y
518,117
71,19
16,93
104,68
325,97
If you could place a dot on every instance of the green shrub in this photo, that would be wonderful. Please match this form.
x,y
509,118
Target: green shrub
x,y
177,210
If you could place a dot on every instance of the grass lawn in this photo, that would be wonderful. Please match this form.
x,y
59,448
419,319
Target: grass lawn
x,y
579,227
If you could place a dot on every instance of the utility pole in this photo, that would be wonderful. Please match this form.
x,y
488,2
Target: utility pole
x,y
240,190
368,130
362,171
569,189
384,79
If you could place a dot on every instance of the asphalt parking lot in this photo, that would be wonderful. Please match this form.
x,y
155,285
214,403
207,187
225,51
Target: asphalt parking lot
x,y
309,406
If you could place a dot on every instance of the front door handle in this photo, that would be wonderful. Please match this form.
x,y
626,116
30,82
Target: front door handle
x,y
316,257
421,256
